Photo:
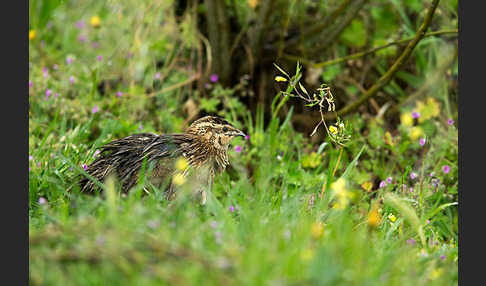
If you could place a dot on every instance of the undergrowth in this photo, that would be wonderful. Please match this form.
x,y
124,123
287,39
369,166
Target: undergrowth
x,y
381,210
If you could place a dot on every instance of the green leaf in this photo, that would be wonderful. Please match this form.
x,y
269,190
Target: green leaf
x,y
321,147
281,70
408,213
354,34
209,105
353,163
437,210
303,89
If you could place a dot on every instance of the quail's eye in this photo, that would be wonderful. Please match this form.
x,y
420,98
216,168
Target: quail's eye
x,y
225,129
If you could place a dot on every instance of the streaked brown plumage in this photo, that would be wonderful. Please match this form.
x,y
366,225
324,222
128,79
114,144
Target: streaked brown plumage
x,y
204,145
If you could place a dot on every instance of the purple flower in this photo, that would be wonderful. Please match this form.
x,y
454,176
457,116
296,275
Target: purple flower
x,y
450,121
31,157
119,94
45,72
247,137
81,38
99,57
42,201
442,257
410,241
96,153
218,235
71,79
140,127
382,184
427,221
48,92
214,77
213,224
231,208
415,115
413,175
446,169
411,189
100,240
31,84
422,141
85,167
129,55
95,45
56,95
54,67
79,24
95,109
153,223
69,60
157,75
434,182
389,180
238,148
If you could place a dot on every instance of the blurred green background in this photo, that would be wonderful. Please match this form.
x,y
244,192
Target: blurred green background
x,y
381,211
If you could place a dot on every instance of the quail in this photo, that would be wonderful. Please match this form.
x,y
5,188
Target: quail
x,y
201,151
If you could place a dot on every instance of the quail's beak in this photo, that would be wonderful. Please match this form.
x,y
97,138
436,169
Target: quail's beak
x,y
239,133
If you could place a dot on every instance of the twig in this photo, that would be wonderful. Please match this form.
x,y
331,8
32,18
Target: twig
x,y
388,76
174,86
375,49
318,27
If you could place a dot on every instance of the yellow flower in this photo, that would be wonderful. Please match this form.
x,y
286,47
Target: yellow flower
x,y
182,164
406,119
428,110
435,274
416,132
333,130
31,35
342,195
280,78
392,217
179,179
338,186
367,186
373,216
252,3
317,229
95,21
307,254
389,139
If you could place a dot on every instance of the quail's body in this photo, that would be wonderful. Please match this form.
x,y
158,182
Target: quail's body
x,y
204,145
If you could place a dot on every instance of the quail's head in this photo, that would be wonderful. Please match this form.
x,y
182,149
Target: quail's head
x,y
215,131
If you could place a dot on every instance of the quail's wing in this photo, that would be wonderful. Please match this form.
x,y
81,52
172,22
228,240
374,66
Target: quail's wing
x,y
127,145
172,145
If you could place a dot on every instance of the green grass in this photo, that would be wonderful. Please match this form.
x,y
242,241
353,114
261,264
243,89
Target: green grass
x,y
280,232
